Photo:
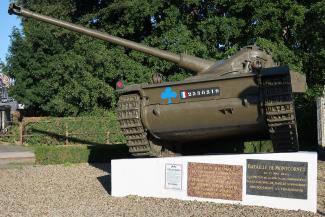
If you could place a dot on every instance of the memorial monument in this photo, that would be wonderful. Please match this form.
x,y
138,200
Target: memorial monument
x,y
277,180
246,96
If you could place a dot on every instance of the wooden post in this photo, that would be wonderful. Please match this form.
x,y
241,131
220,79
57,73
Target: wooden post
x,y
66,134
107,137
21,132
321,125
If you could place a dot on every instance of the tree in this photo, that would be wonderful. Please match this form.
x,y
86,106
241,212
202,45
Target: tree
x,y
53,74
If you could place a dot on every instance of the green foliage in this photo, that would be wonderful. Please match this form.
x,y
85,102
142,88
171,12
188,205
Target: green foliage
x,y
78,154
12,135
281,53
81,130
313,44
258,146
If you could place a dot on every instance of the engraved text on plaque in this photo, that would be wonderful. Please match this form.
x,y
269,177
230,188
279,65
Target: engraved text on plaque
x,y
277,178
217,181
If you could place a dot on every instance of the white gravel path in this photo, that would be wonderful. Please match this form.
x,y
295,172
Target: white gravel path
x,y
80,190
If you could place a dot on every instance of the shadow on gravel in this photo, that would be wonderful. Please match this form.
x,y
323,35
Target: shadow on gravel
x,y
104,153
100,157
105,181
321,153
106,167
320,212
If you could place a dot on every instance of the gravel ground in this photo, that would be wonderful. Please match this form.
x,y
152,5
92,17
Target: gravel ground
x,y
83,190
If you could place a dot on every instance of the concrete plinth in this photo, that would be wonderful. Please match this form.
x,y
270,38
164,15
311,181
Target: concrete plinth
x,y
277,180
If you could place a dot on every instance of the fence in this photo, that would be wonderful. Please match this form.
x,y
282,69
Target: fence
x,y
10,134
63,131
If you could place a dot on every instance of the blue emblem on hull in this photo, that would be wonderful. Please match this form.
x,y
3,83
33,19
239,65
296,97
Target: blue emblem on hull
x,y
168,94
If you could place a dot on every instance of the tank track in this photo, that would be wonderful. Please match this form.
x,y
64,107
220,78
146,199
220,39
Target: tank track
x,y
280,113
129,117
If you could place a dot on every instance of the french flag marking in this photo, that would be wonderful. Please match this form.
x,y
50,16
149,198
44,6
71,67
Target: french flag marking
x,y
184,94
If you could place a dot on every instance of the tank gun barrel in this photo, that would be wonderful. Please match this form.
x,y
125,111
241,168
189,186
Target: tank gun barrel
x,y
183,60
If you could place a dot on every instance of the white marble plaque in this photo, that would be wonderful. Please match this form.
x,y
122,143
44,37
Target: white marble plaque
x,y
173,176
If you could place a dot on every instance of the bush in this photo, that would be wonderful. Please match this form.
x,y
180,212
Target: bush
x,y
89,130
258,146
79,154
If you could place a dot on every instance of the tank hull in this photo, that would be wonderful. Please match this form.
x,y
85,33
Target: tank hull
x,y
237,107
235,111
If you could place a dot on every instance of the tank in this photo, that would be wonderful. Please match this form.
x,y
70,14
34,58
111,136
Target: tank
x,y
245,97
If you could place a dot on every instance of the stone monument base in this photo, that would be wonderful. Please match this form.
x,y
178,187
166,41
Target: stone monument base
x,y
277,180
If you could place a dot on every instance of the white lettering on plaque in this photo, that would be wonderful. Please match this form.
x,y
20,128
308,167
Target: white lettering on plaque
x,y
173,176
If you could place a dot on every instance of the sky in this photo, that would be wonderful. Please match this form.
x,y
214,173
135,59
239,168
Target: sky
x,y
7,22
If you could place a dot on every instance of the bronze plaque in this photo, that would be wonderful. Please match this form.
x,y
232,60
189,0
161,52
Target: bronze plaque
x,y
273,178
216,181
